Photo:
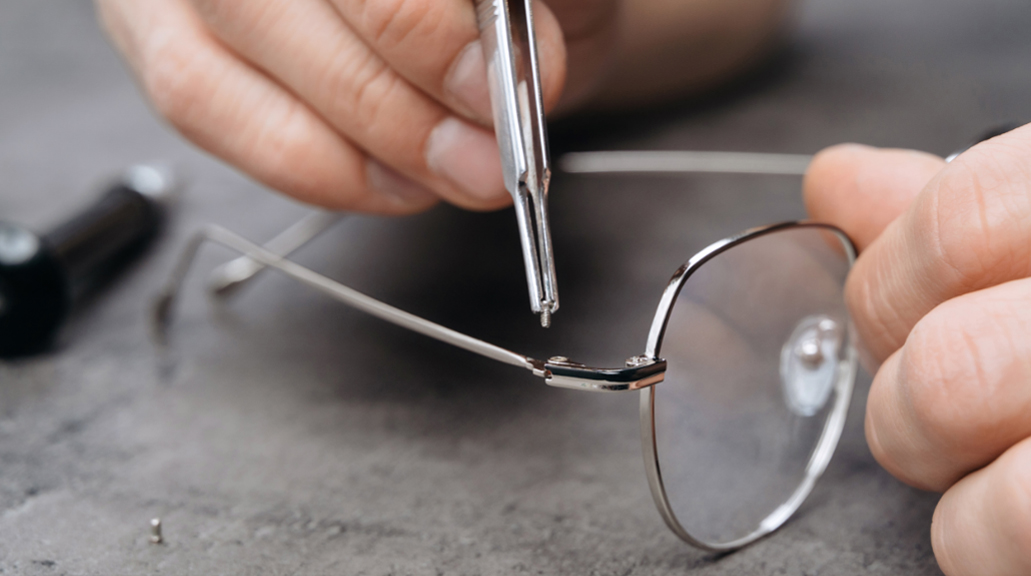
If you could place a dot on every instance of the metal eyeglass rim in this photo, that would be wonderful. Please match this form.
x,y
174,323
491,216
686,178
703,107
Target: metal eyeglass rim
x,y
829,436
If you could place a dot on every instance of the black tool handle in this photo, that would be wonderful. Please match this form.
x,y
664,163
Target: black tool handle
x,y
94,242
41,277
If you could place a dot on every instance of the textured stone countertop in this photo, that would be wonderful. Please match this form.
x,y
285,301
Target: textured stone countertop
x,y
290,435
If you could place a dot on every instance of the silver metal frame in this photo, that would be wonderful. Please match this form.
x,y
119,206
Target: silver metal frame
x,y
230,277
684,162
640,372
828,441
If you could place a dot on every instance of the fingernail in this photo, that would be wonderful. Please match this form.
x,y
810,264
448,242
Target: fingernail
x,y
468,157
392,183
467,81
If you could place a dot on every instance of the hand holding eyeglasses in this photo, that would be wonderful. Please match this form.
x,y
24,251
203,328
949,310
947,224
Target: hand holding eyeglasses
x,y
941,298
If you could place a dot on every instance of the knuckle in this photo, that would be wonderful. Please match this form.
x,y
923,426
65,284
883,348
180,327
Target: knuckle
x,y
283,146
890,430
294,169
212,8
978,216
944,379
875,317
962,231
930,394
232,12
373,93
360,90
390,22
172,82
234,21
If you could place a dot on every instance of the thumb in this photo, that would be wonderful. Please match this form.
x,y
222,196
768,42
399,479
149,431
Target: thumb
x,y
862,189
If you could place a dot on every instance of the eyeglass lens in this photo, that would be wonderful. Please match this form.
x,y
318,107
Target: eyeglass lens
x,y
756,343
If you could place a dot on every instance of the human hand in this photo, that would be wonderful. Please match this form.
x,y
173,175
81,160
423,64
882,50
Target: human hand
x,y
382,105
941,299
370,105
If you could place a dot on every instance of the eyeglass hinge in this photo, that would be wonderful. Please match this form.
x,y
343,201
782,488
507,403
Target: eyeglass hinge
x,y
639,372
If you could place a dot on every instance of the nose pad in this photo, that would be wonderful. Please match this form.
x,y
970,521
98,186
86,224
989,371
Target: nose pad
x,y
809,364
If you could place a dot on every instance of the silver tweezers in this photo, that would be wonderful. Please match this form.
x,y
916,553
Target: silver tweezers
x,y
510,50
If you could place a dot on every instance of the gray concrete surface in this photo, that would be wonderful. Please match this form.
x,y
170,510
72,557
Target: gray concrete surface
x,y
289,435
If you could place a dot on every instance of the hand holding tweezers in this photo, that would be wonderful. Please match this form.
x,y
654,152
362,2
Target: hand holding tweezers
x,y
510,50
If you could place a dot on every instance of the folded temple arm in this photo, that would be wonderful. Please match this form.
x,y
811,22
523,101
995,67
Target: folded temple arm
x,y
640,372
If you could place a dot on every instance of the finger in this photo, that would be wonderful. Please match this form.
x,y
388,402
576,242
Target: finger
x,y
966,230
982,525
589,35
862,189
435,45
239,115
307,47
955,396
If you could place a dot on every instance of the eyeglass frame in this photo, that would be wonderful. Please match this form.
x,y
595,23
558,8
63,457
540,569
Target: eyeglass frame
x,y
639,373
833,425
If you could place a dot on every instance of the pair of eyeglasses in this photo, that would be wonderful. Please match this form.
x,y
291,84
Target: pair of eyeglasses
x,y
745,377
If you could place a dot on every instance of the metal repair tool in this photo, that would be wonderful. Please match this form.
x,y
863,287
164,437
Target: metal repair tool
x,y
510,50
42,276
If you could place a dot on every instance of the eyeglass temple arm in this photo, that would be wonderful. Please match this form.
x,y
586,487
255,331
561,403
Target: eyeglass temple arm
x,y
691,162
681,161
640,371
229,278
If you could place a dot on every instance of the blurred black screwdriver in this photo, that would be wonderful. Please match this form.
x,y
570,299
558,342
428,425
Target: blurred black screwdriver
x,y
43,276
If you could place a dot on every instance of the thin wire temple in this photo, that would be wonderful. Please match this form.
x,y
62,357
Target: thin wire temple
x,y
658,161
164,306
637,373
228,278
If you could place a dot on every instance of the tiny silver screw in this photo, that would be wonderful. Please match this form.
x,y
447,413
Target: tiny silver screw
x,y
155,531
558,359
809,352
546,317
638,361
